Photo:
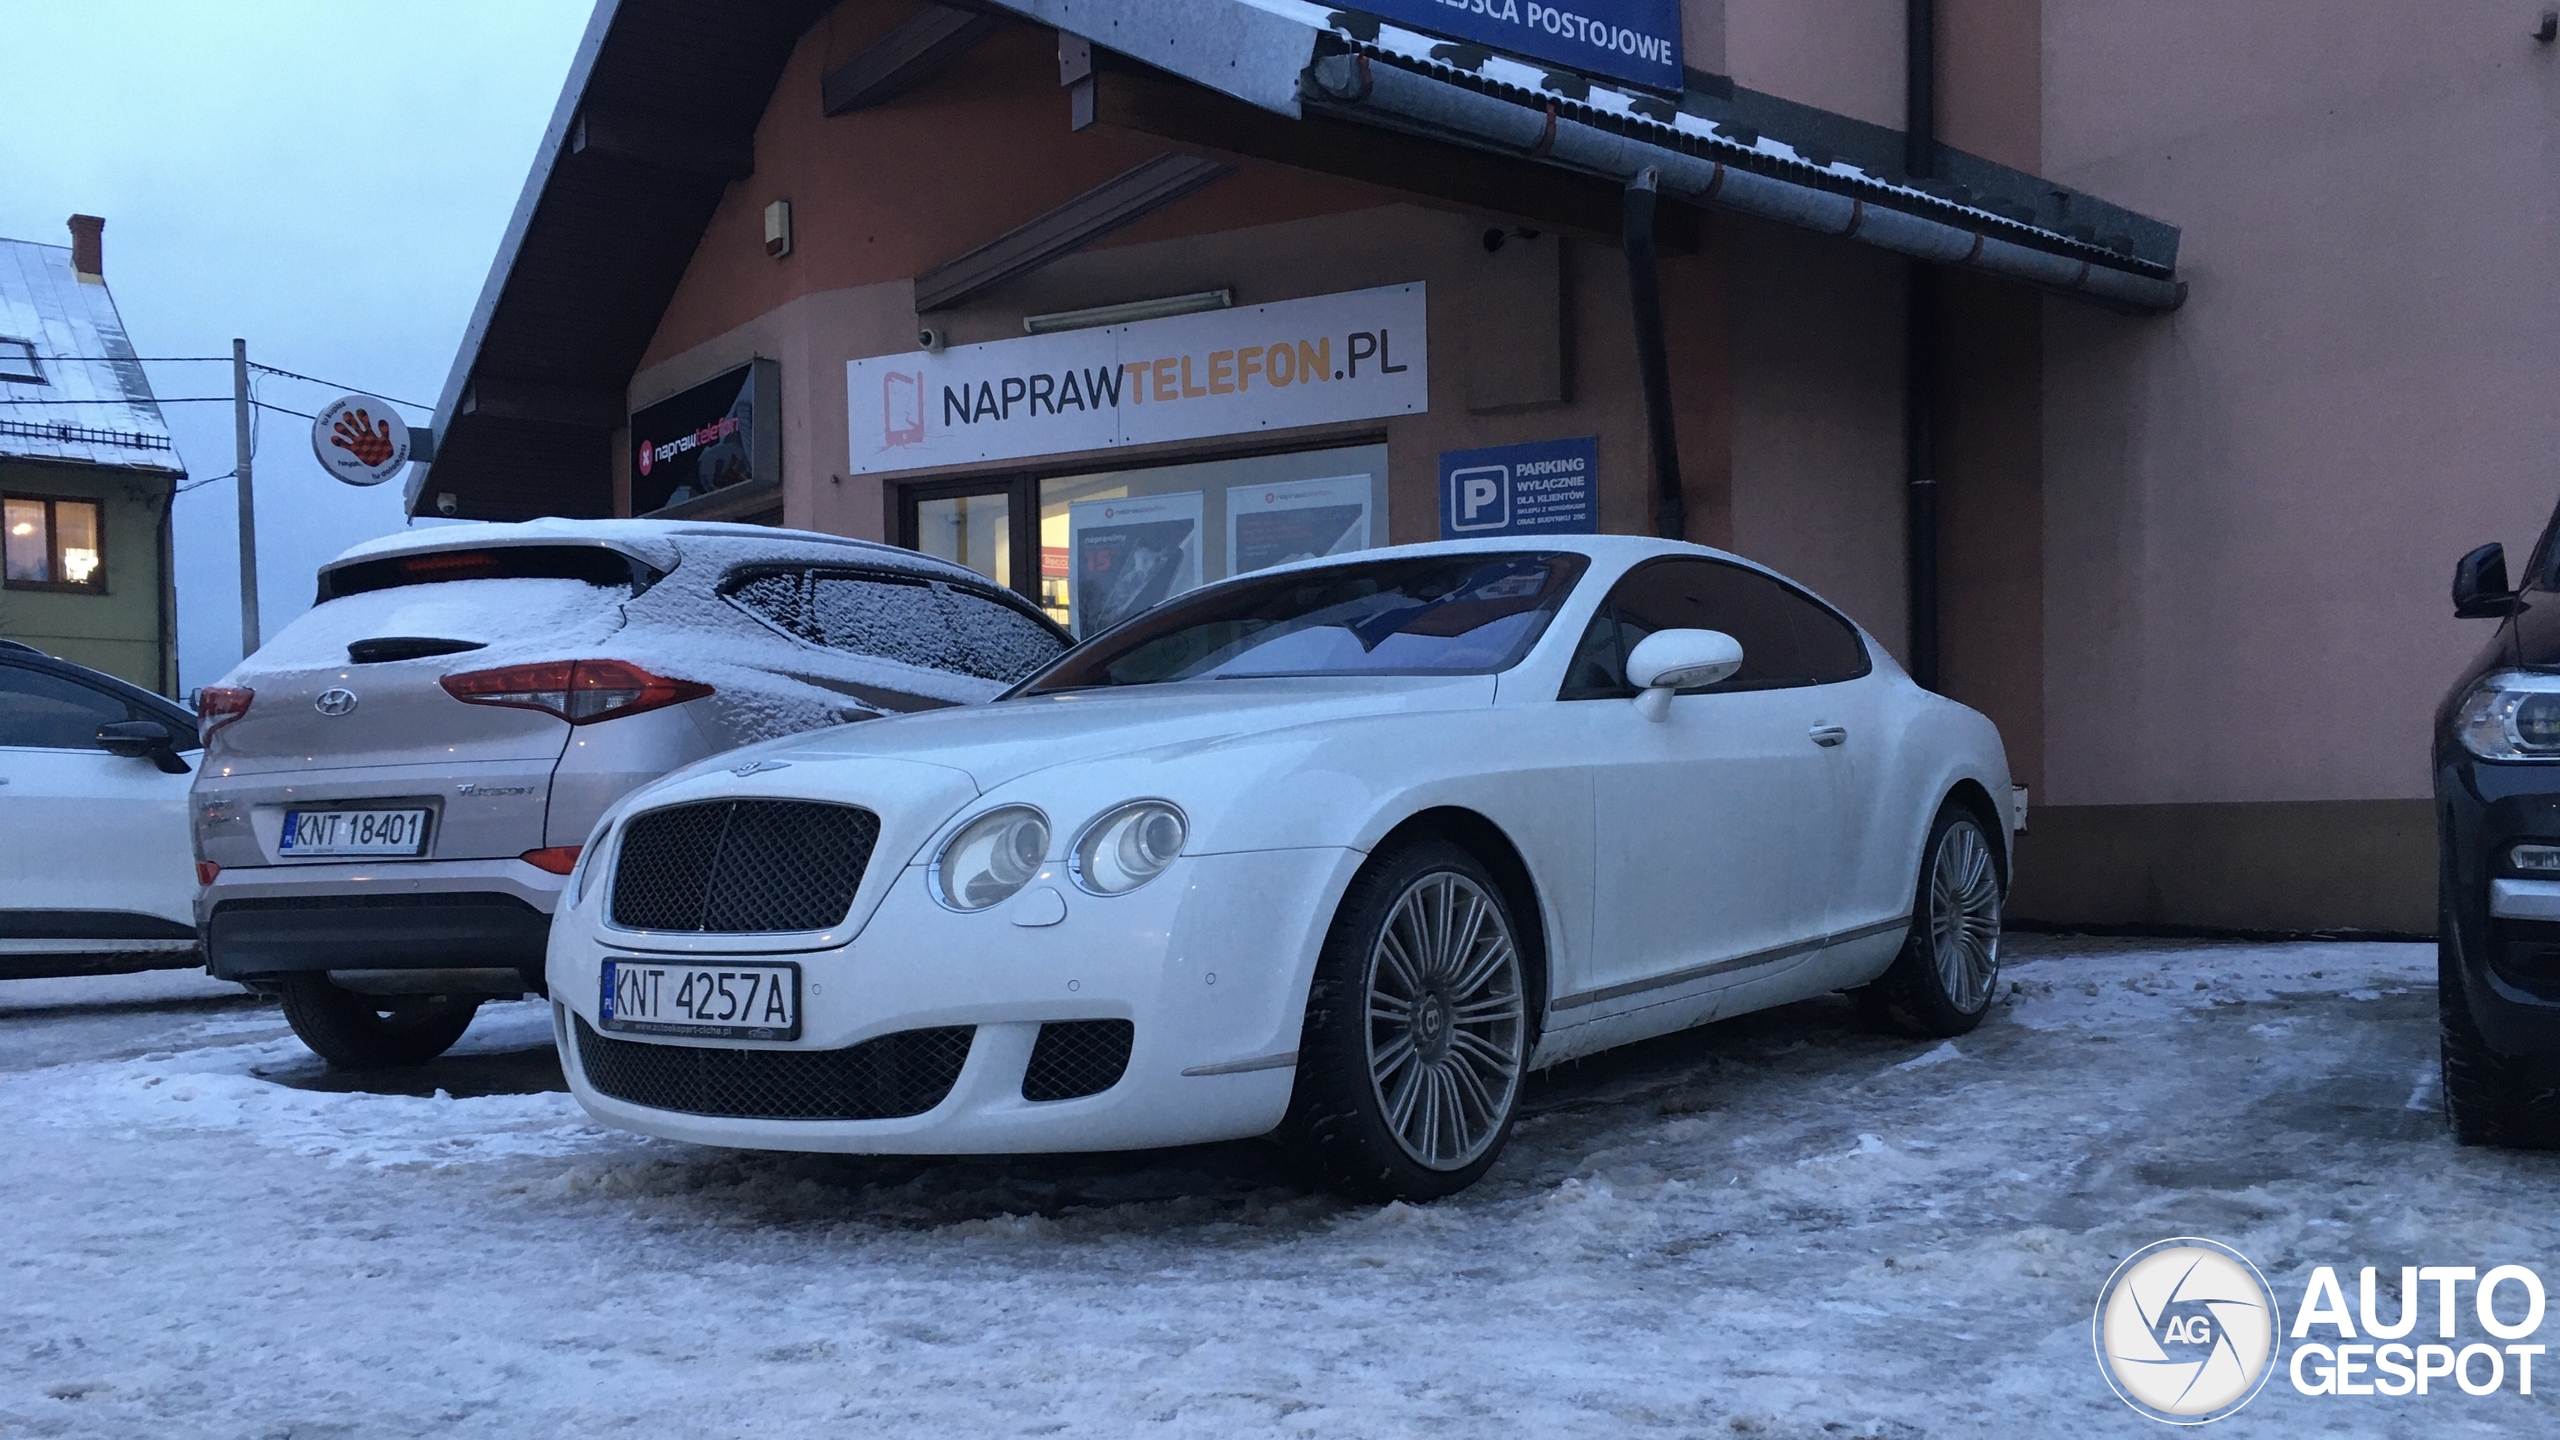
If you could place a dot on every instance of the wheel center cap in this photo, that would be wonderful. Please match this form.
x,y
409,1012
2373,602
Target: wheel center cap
x,y
1430,1021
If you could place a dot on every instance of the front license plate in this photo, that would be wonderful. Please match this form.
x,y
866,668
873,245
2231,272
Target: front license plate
x,y
727,1001
354,832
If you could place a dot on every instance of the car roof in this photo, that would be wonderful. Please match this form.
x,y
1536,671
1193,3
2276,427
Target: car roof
x,y
1612,549
658,543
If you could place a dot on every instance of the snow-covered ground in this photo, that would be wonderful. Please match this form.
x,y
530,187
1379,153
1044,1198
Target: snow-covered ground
x,y
1779,1226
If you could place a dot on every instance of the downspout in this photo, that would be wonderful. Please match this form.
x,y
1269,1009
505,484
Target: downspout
x,y
1920,367
1653,363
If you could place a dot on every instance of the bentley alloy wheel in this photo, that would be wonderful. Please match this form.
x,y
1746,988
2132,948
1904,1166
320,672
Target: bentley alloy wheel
x,y
1445,1020
1964,915
1417,1032
1942,983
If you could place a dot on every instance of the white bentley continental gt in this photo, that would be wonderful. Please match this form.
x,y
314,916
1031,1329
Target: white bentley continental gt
x,y
1340,850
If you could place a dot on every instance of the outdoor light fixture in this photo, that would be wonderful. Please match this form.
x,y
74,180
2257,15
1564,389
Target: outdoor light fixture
x,y
1191,304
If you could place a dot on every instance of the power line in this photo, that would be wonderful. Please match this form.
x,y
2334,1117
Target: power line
x,y
6,402
225,359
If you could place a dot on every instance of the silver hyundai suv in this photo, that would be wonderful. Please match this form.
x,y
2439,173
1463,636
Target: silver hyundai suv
x,y
396,786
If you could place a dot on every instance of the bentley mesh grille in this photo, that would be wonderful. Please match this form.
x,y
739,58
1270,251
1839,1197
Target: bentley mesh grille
x,y
737,867
886,1078
1075,1058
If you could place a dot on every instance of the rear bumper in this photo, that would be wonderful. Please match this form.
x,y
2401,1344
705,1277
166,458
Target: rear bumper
x,y
437,915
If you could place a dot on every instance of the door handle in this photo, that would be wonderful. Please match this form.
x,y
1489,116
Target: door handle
x,y
1827,735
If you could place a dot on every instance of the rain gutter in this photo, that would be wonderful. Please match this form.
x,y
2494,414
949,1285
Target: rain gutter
x,y
1351,86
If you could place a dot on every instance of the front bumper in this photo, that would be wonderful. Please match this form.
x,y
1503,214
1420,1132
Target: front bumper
x,y
2504,930
1210,964
402,915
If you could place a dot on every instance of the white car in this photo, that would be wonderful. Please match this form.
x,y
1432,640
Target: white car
x,y
1341,849
95,874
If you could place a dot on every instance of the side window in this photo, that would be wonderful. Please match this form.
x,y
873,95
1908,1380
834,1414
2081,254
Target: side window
x,y
1787,637
43,711
916,622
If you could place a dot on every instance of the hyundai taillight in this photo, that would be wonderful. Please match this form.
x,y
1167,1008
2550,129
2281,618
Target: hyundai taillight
x,y
578,691
219,705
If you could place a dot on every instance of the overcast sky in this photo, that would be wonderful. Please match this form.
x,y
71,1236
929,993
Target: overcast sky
x,y
327,181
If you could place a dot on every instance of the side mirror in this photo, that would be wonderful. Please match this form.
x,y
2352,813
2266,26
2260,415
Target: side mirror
x,y
2480,590
1668,661
142,740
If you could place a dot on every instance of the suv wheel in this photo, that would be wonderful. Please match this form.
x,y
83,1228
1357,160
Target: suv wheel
x,y
373,1032
2491,1097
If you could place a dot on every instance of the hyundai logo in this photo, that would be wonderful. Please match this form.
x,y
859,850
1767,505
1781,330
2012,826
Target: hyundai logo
x,y
335,702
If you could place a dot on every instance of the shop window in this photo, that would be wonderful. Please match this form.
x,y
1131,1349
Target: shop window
x,y
971,530
1092,548
1114,542
18,363
51,544
1788,638
924,623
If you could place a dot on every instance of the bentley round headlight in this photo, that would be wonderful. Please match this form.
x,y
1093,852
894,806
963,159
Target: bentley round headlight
x,y
992,857
1129,846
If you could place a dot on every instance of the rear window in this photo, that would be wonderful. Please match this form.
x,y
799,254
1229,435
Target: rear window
x,y
591,563
915,621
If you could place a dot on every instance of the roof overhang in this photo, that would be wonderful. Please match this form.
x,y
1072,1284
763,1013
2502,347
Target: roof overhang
x,y
663,97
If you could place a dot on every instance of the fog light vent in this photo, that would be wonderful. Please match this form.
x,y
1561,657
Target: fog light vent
x,y
1076,1058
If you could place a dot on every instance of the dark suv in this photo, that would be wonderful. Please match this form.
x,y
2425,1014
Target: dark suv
x,y
2497,780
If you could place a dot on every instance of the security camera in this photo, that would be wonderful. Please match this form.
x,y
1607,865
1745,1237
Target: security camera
x,y
448,503
931,339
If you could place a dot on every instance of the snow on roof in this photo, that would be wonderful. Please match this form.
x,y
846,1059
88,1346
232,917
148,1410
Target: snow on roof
x,y
78,343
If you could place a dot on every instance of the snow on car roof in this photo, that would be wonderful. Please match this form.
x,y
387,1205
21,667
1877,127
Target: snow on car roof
x,y
655,542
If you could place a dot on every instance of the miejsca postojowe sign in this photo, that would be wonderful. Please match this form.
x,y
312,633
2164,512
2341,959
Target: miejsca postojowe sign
x,y
1358,355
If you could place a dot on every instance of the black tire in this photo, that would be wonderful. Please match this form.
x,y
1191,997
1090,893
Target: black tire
x,y
372,1032
1938,988
2491,1097
1342,1122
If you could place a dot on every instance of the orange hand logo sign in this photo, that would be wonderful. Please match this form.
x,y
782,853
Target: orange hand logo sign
x,y
355,433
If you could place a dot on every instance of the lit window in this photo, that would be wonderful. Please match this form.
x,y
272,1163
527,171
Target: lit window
x,y
52,543
18,363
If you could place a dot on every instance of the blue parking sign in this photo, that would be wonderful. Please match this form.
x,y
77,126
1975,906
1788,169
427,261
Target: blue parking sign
x,y
1549,486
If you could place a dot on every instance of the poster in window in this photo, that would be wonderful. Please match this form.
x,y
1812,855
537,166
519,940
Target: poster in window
x,y
1125,555
1274,524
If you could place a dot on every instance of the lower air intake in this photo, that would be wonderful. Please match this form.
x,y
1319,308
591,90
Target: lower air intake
x,y
1076,1058
886,1078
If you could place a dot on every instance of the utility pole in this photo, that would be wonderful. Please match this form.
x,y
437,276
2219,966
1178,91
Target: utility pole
x,y
243,419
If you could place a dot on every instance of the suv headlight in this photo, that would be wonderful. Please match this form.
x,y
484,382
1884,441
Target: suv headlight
x,y
992,857
2512,716
1128,847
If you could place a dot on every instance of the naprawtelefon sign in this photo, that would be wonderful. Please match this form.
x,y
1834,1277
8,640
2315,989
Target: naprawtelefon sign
x,y
1357,355
1637,41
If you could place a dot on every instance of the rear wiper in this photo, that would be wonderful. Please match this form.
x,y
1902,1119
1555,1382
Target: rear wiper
x,y
406,647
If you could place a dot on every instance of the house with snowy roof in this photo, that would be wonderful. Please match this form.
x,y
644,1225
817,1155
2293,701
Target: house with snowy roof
x,y
87,469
